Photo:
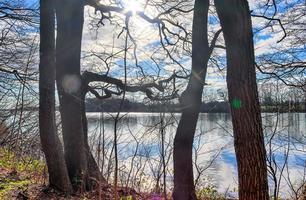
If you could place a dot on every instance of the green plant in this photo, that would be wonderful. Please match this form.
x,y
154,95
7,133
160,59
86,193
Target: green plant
x,y
208,192
9,185
17,172
21,164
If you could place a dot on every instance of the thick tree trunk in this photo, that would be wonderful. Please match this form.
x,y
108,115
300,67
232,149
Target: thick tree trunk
x,y
304,192
58,176
191,102
246,117
68,50
82,167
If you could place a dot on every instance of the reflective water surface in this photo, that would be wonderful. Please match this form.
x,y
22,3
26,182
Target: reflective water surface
x,y
140,136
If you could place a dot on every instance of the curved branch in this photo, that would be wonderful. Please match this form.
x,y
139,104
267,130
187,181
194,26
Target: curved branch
x,y
274,19
89,77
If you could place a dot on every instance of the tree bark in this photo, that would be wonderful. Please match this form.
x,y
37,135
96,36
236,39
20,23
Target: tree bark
x,y
249,144
82,167
68,50
191,101
51,146
93,168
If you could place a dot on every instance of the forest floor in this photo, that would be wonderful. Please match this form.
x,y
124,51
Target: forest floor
x,y
22,177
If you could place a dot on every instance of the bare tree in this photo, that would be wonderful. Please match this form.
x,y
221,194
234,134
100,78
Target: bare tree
x,y
249,144
79,160
191,101
58,176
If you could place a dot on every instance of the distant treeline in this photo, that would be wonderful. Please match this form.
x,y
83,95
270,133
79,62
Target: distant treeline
x,y
113,105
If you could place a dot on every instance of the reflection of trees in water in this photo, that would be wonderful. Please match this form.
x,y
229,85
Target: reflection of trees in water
x,y
294,123
212,129
288,122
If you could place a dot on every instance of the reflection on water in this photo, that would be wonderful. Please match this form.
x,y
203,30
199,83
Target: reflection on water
x,y
213,141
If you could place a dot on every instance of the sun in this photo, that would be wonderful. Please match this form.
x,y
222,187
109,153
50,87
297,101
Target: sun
x,y
137,22
132,6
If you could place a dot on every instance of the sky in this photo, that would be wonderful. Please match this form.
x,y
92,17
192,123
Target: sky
x,y
104,41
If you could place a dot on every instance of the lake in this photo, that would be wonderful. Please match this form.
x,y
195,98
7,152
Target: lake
x,y
140,148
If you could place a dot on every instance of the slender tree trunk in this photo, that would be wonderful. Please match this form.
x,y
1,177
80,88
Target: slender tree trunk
x,y
304,101
58,176
191,102
245,110
93,168
68,50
